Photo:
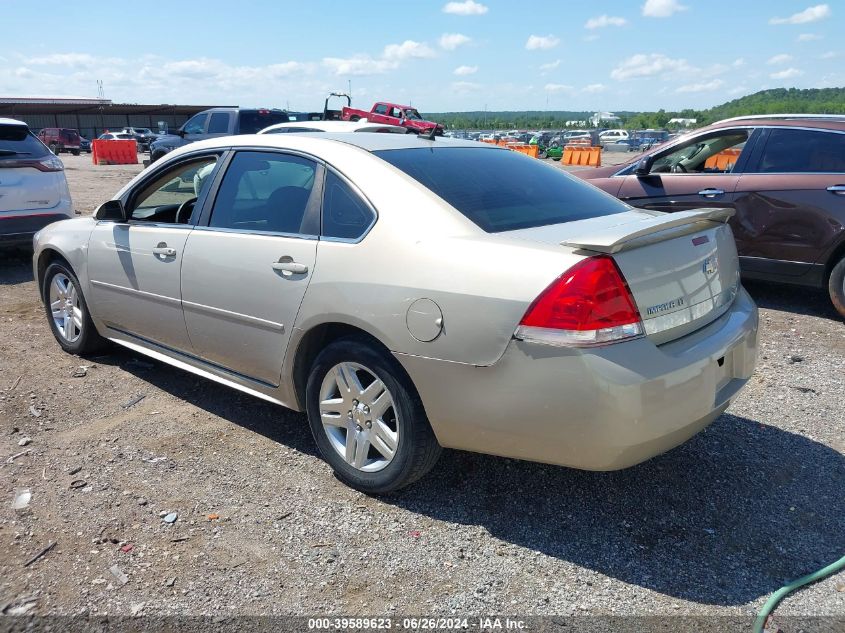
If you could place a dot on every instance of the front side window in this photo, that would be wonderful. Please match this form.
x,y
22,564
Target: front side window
x,y
500,190
807,151
345,214
196,124
218,123
715,153
266,192
170,197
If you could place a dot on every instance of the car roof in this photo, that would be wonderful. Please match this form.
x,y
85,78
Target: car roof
x,y
335,126
368,141
822,122
4,121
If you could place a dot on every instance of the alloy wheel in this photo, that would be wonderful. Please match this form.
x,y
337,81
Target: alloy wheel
x,y
65,308
359,417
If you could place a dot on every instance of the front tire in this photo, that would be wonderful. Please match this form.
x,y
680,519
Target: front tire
x,y
836,286
367,419
67,312
75,152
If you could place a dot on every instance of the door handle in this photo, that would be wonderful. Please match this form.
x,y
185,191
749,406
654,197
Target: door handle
x,y
711,193
290,267
164,251
838,190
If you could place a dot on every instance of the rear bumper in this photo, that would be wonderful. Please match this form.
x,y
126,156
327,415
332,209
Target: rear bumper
x,y
18,227
603,408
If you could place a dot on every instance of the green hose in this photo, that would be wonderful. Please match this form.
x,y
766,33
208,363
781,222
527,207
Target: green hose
x,y
784,591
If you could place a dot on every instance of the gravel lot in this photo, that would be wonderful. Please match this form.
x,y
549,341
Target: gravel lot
x,y
711,528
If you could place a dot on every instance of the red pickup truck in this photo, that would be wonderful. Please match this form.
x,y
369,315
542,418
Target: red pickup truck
x,y
393,114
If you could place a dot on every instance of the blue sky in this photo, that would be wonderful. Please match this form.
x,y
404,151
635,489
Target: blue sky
x,y
462,55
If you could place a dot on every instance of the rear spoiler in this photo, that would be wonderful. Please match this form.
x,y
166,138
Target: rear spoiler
x,y
617,238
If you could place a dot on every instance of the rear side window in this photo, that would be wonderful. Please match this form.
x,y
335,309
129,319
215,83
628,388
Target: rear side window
x,y
796,151
218,123
345,214
501,190
251,121
265,192
17,141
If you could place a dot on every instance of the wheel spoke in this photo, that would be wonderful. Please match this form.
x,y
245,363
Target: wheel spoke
x,y
56,306
350,379
71,295
373,391
362,447
57,285
384,439
77,318
380,405
351,445
67,327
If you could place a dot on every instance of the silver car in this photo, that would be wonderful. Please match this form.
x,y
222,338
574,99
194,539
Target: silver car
x,y
412,293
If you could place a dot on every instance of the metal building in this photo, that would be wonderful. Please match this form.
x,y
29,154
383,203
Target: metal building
x,y
93,116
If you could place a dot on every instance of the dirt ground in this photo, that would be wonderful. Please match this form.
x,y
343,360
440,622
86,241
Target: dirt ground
x,y
107,446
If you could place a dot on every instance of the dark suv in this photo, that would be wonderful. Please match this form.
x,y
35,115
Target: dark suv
x,y
60,139
217,122
783,174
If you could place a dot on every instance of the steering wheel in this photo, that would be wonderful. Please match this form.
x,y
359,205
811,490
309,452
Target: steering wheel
x,y
188,205
679,169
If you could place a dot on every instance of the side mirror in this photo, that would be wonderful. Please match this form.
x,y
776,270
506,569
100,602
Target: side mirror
x,y
181,132
644,166
111,211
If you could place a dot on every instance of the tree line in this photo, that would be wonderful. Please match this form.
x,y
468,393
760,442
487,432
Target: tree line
x,y
774,101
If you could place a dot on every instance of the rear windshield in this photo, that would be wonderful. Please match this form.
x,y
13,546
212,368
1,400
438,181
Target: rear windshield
x,y
17,141
253,120
501,190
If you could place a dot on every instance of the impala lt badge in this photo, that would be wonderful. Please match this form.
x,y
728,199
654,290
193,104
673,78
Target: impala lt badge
x,y
711,265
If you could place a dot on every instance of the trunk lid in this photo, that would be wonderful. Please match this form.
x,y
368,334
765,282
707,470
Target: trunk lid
x,y
682,268
28,189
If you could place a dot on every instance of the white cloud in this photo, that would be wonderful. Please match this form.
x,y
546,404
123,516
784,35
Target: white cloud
x,y
829,55
465,70
783,58
407,50
789,73
810,14
592,37
736,90
704,86
359,65
557,88
550,66
641,65
451,41
808,37
740,61
544,42
594,88
662,8
465,86
605,20
465,8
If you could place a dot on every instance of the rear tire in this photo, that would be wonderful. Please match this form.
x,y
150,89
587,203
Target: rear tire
x,y
75,152
348,378
65,304
54,148
836,286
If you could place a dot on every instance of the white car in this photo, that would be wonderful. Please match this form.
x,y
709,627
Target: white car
x,y
333,126
613,136
116,136
33,187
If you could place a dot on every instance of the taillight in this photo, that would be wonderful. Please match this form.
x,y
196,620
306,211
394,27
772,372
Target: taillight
x,y
51,163
589,304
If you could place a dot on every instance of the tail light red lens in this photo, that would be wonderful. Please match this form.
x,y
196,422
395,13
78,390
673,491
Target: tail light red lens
x,y
590,304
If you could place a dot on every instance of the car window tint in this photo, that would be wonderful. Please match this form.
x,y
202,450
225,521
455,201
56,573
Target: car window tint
x,y
159,200
196,124
264,191
500,190
17,141
251,121
381,109
218,123
345,214
714,153
799,151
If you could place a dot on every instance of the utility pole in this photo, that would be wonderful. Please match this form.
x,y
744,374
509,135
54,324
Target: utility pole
x,y
349,86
